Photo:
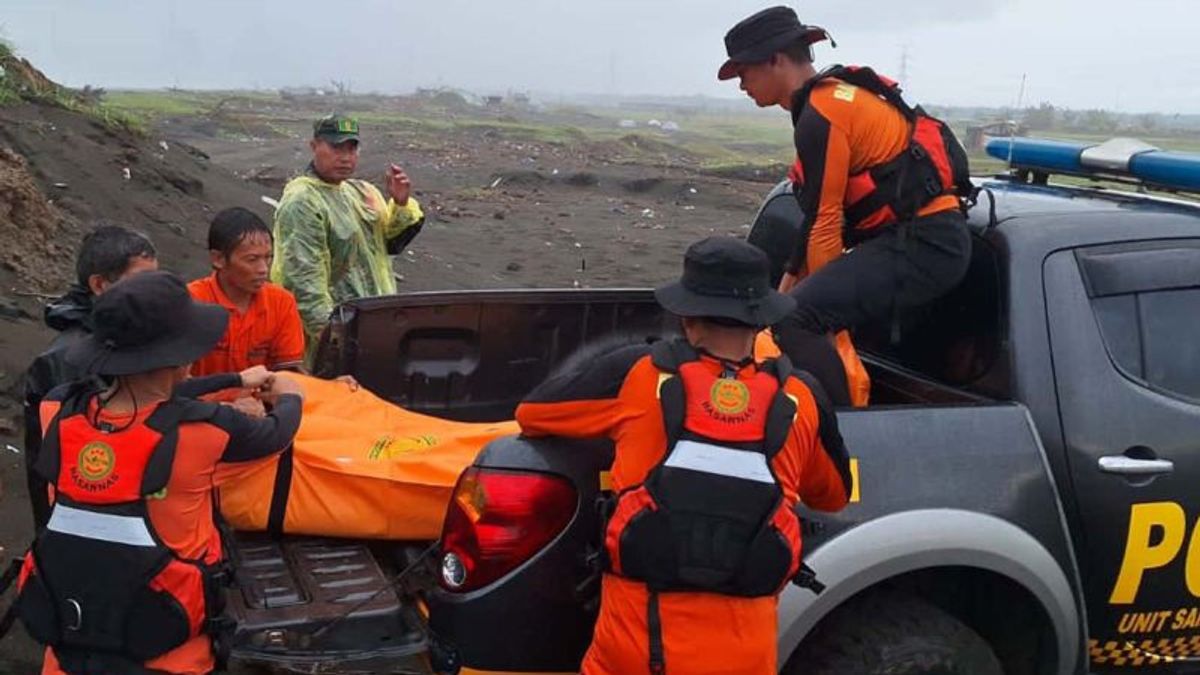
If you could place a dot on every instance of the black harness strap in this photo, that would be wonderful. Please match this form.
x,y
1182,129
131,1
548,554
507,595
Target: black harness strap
x,y
87,663
782,411
165,420
49,461
280,492
10,575
668,356
658,659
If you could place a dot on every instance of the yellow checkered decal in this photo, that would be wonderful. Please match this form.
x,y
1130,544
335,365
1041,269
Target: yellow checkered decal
x,y
1143,652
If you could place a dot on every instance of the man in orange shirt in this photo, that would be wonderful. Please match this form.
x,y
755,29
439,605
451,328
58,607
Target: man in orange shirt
x,y
713,453
880,184
264,324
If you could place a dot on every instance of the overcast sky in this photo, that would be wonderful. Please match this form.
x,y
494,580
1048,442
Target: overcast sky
x,y
1130,56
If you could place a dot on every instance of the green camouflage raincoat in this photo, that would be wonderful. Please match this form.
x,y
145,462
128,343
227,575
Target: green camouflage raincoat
x,y
331,244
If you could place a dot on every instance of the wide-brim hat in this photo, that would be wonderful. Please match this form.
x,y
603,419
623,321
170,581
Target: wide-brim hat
x,y
757,37
148,322
726,278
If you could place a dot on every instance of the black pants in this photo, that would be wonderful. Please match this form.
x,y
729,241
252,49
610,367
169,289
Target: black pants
x,y
877,280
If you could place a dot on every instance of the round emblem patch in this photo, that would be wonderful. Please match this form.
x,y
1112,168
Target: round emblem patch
x,y
96,461
729,397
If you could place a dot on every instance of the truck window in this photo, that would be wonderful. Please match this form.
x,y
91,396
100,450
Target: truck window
x,y
957,339
1145,300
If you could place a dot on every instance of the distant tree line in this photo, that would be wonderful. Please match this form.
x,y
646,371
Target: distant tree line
x,y
1047,117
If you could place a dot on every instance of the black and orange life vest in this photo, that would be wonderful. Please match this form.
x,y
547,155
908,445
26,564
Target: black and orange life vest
x,y
711,515
933,164
99,586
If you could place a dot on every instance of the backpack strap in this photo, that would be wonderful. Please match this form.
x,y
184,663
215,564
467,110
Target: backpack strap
x,y
74,402
800,100
783,409
668,356
866,78
166,420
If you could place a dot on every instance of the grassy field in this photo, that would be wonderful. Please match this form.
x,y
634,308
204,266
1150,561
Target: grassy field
x,y
153,103
158,103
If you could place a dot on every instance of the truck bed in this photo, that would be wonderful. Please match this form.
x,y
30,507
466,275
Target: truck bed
x,y
304,604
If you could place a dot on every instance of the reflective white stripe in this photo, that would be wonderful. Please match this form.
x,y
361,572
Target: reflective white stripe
x,y
103,526
714,459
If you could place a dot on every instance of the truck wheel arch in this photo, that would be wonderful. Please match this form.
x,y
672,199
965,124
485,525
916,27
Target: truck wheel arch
x,y
893,546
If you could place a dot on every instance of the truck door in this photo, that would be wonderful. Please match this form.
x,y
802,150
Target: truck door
x,y
1124,326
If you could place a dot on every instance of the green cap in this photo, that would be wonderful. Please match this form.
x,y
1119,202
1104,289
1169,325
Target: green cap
x,y
336,129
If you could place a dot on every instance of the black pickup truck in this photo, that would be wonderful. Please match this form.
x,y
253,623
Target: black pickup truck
x,y
1025,472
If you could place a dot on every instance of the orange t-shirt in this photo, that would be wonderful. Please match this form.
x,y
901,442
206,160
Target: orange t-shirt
x,y
268,334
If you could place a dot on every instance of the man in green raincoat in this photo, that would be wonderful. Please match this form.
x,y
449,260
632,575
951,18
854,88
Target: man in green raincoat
x,y
333,233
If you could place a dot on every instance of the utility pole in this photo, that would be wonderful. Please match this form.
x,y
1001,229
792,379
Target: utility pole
x,y
171,32
612,72
903,73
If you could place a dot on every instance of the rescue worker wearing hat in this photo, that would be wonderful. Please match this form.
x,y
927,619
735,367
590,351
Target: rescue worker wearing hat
x,y
127,575
713,453
333,233
882,187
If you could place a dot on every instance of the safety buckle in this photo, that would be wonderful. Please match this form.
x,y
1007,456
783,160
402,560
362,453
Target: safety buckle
x,y
917,151
221,574
933,186
806,577
224,575
219,625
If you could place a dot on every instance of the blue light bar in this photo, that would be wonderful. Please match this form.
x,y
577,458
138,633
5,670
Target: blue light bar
x,y
1039,153
1125,158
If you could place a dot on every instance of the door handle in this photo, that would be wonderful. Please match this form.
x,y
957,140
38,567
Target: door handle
x,y
1132,466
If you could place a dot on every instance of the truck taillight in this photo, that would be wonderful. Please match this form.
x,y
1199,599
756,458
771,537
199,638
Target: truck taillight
x,y
498,520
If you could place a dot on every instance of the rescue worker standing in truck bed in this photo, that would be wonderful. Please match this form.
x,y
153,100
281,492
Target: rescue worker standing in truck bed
x,y
713,452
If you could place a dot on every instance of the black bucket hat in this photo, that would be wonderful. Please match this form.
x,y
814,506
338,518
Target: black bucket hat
x,y
147,322
757,37
726,278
